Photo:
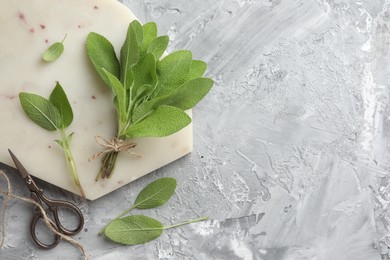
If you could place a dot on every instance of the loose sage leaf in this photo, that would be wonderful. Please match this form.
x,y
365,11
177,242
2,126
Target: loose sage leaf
x,y
149,34
198,68
102,55
184,97
130,51
133,230
41,111
59,99
53,52
173,71
120,94
158,46
164,121
155,194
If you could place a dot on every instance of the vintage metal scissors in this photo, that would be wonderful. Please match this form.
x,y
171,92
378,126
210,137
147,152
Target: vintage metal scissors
x,y
52,205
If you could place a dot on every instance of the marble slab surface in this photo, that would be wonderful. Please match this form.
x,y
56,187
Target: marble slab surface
x,y
291,147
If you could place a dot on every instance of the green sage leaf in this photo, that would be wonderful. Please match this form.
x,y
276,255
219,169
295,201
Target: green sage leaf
x,y
130,51
133,230
188,94
184,97
141,95
120,94
173,71
156,193
145,71
59,99
149,34
54,51
41,111
198,68
102,55
158,46
164,121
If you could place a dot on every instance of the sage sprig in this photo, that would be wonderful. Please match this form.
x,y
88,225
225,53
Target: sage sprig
x,y
139,229
53,114
150,93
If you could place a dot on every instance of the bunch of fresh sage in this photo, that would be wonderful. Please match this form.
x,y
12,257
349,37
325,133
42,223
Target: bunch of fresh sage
x,y
139,229
150,94
53,114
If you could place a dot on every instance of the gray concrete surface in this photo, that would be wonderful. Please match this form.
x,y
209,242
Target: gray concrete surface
x,y
291,158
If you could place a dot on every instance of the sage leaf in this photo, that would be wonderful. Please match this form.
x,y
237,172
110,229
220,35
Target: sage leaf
x,y
130,51
155,194
141,95
164,121
198,68
149,34
145,71
173,71
184,97
40,111
102,55
59,99
158,46
133,230
54,51
120,94
189,94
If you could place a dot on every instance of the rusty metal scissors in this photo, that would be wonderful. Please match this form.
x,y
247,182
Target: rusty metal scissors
x,y
52,205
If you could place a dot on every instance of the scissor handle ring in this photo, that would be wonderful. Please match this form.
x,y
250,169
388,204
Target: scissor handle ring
x,y
33,225
54,205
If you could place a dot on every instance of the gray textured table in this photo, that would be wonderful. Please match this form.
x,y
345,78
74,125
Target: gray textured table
x,y
291,156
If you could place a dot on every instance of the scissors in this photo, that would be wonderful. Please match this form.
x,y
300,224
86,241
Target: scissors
x,y
53,206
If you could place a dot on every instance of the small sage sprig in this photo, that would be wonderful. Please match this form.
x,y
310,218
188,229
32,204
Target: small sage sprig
x,y
53,114
150,93
54,51
139,229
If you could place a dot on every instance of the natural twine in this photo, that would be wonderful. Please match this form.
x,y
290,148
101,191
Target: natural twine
x,y
9,195
114,145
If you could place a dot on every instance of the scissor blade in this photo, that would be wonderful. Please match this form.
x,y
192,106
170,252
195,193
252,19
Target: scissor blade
x,y
19,165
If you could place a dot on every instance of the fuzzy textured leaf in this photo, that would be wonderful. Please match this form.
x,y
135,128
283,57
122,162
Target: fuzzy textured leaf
x,y
133,230
41,111
156,193
130,51
184,97
145,71
53,52
120,95
173,71
164,121
158,46
59,99
102,55
149,34
198,68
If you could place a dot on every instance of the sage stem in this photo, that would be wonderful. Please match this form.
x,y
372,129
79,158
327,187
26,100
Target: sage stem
x,y
186,222
70,163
